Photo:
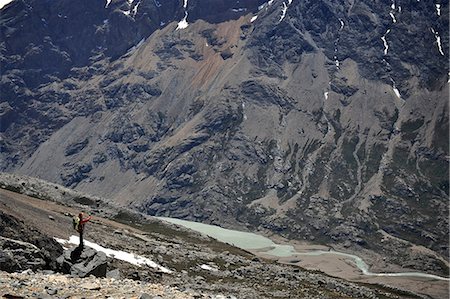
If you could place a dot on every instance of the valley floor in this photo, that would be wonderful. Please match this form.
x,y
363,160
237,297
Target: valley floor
x,y
238,273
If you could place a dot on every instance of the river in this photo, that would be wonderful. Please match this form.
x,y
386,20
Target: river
x,y
251,241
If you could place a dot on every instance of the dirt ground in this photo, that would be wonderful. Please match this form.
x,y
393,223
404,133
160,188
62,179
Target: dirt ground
x,y
339,266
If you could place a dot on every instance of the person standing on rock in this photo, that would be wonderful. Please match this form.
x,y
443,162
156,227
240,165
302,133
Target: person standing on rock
x,y
79,223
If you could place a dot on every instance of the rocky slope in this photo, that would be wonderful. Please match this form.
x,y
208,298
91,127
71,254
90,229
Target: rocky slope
x,y
318,120
200,266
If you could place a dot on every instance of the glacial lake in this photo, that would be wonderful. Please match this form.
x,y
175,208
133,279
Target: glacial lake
x,y
251,241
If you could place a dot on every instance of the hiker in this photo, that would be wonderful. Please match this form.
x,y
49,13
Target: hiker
x,y
79,223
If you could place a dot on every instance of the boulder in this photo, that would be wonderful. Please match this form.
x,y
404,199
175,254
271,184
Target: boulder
x,y
83,263
16,255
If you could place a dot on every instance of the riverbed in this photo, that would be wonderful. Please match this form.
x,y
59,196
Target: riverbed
x,y
340,264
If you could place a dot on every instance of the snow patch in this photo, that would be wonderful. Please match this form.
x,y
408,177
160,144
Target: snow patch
x,y
183,23
325,94
135,9
4,2
386,46
438,9
283,12
395,89
394,20
253,19
438,41
342,24
209,268
239,9
107,3
117,254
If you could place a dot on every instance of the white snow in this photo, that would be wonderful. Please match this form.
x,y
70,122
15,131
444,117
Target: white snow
x,y
289,2
438,41
243,111
325,94
336,61
4,2
209,268
383,38
136,8
117,254
253,19
107,3
393,5
239,9
183,23
342,24
393,17
438,9
268,3
283,12
395,89
399,8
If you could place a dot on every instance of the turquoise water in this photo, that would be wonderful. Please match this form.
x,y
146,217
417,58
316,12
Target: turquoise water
x,y
265,245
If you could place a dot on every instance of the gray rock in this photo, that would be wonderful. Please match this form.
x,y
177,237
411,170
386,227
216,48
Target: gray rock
x,y
113,274
16,255
52,291
84,263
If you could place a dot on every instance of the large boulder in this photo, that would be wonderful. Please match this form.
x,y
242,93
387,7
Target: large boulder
x,y
16,255
32,241
83,263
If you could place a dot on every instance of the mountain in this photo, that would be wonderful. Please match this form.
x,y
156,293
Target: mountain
x,y
324,121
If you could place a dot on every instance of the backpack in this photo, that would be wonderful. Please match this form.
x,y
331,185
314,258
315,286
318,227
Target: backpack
x,y
76,223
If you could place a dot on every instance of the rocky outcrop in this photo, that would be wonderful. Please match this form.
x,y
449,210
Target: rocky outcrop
x,y
16,256
83,262
34,250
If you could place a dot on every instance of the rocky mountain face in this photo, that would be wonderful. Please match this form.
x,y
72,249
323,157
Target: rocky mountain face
x,y
324,121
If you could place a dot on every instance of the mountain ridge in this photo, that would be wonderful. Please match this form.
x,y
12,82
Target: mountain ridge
x,y
316,123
